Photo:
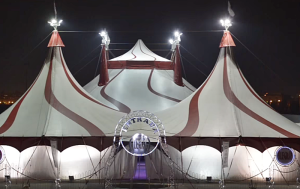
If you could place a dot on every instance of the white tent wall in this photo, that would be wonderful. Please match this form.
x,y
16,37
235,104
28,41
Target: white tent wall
x,y
243,162
37,162
124,165
12,159
202,161
289,173
79,161
158,167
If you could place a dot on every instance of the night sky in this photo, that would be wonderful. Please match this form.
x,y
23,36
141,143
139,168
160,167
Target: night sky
x,y
269,28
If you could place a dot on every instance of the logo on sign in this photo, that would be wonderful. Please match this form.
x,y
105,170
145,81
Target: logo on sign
x,y
285,156
139,132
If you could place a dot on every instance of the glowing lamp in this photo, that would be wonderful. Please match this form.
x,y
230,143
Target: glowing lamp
x,y
171,41
226,23
103,33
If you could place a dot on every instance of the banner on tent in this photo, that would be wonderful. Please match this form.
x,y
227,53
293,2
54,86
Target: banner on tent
x,y
225,153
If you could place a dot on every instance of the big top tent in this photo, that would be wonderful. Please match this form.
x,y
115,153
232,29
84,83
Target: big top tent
x,y
80,124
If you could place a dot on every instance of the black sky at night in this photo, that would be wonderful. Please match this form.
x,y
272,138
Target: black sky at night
x,y
269,28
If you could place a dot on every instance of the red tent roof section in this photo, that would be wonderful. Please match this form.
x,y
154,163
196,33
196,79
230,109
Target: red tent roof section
x,y
227,40
55,40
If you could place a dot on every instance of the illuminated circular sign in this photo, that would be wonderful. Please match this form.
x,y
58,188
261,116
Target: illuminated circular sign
x,y
285,156
2,154
137,130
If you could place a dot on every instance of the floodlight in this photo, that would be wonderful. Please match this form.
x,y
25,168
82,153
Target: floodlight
x,y
54,23
176,33
226,23
103,33
171,41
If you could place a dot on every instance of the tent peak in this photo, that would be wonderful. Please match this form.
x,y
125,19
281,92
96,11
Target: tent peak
x,y
227,40
55,40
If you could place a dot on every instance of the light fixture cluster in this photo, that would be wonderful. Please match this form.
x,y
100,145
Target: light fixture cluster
x,y
226,23
105,38
54,23
176,40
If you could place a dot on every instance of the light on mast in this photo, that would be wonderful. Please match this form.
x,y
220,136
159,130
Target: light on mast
x,y
54,23
226,23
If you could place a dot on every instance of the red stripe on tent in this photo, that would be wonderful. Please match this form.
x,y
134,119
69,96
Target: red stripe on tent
x,y
234,100
13,114
76,87
156,93
194,119
250,89
132,52
227,40
122,107
92,129
55,40
144,52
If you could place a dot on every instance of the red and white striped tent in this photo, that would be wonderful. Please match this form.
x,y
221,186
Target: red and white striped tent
x,y
55,105
139,80
223,108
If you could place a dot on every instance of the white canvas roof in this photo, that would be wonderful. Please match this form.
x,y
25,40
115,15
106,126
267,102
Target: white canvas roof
x,y
56,105
140,52
226,105
139,89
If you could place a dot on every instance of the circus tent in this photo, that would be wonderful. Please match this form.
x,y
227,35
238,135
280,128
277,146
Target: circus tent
x,y
139,80
224,108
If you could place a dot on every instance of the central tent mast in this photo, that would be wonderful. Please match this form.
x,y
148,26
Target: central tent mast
x,y
176,58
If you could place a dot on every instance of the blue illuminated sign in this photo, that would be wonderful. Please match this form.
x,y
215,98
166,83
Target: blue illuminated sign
x,y
285,156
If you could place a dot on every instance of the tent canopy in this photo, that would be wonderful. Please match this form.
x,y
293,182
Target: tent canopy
x,y
140,57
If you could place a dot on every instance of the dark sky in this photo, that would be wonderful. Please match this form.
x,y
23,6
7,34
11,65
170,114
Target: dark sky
x,y
269,28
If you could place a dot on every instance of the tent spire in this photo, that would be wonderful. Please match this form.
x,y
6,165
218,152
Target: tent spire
x,y
176,58
55,40
227,40
104,78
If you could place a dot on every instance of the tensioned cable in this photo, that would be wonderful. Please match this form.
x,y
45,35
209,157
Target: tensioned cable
x,y
31,156
231,162
86,55
194,66
257,58
89,154
85,65
36,47
182,66
194,56
52,165
168,54
98,61
273,160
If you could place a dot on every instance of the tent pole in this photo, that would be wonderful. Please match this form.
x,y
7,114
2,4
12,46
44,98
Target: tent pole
x,y
101,148
180,148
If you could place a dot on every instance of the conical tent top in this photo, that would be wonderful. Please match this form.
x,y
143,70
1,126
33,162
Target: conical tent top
x,y
55,40
227,40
